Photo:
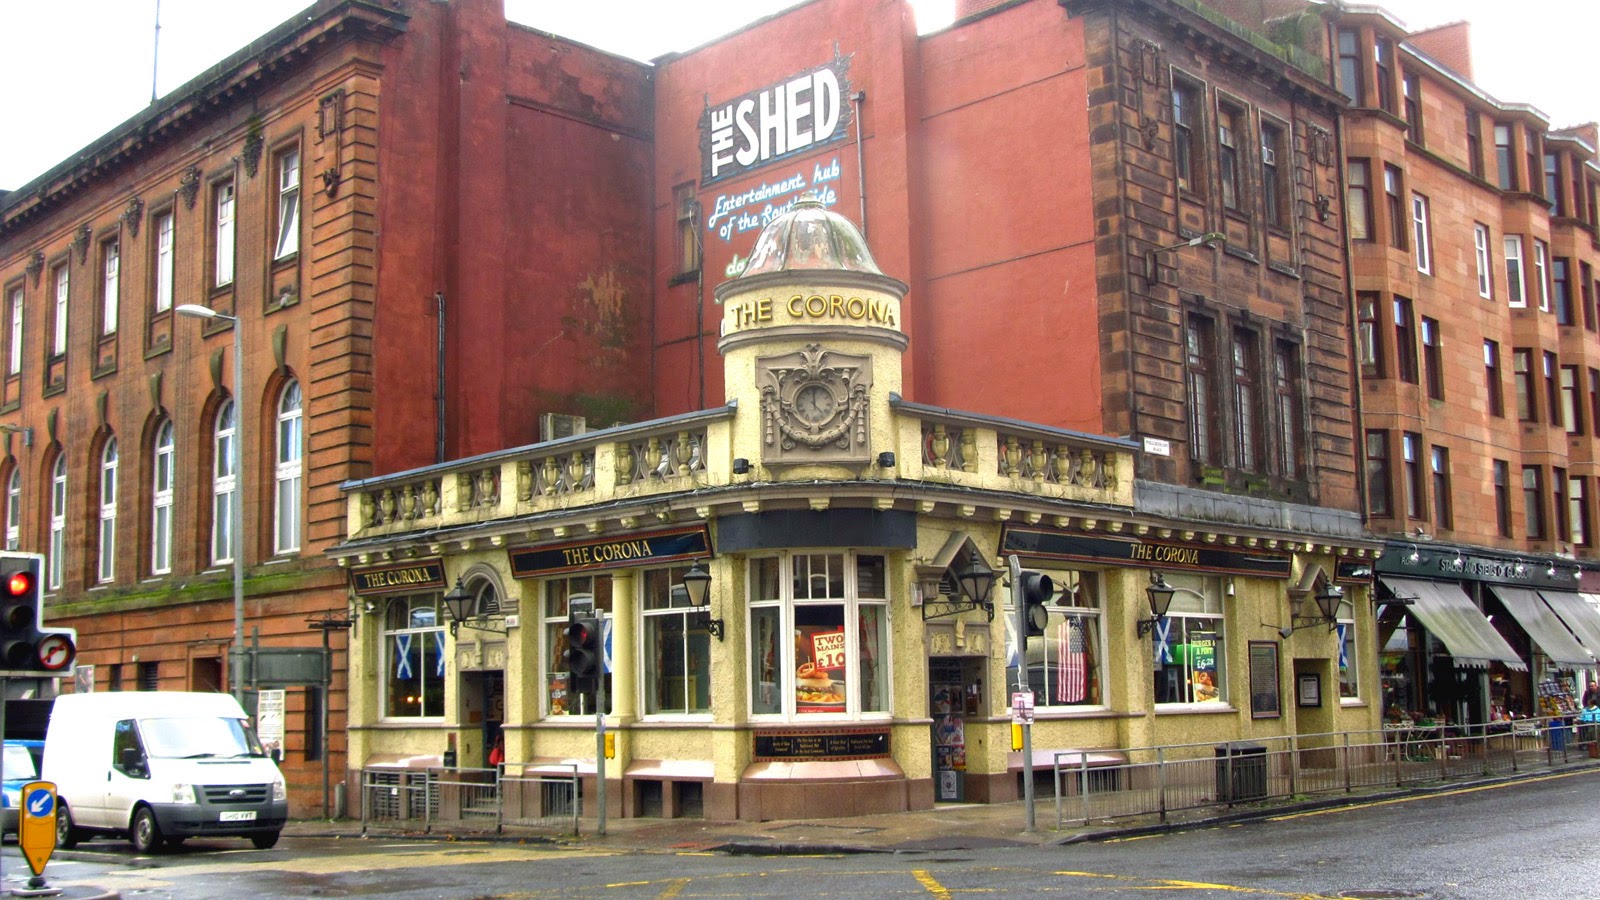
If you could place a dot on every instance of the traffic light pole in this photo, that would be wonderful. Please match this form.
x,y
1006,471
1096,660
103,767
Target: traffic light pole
x,y
1020,610
600,739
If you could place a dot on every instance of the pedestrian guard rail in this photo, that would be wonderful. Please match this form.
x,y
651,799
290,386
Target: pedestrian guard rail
x,y
517,795
1164,779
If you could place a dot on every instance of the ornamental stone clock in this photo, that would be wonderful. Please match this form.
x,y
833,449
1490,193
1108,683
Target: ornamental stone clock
x,y
814,406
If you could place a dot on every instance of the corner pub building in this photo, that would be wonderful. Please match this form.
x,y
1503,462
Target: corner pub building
x,y
854,474
842,662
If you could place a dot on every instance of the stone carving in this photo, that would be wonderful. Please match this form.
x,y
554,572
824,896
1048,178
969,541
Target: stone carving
x,y
813,406
189,186
133,215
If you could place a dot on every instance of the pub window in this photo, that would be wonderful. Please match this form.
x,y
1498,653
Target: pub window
x,y
560,596
1349,670
677,648
1188,646
414,658
1066,666
819,636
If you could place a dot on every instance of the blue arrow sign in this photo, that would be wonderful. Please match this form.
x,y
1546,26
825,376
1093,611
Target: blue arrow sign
x,y
40,802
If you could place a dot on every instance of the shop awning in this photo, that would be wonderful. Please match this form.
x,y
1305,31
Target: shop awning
x,y
1581,614
1546,628
1446,611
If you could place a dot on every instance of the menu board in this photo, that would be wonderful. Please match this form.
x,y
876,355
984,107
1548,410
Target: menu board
x,y
1266,701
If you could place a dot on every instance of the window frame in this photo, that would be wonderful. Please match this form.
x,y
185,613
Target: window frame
x,y
1443,506
164,264
1395,206
773,656
1541,265
1411,104
1433,358
1533,502
690,250
16,306
163,479
1358,200
1188,162
1571,399
224,480
1208,590
1230,140
1492,378
1474,130
1422,232
56,565
1291,444
1405,339
286,203
1081,598
1369,327
1578,511
428,638
13,536
1500,477
110,286
288,470
1522,376
1244,354
61,297
1415,491
1276,192
657,625
224,217
1516,289
1352,77
1561,290
1480,247
1504,157
1200,388
108,487
1380,474
556,595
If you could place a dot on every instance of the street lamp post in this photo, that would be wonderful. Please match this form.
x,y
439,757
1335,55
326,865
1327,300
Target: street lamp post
x,y
236,508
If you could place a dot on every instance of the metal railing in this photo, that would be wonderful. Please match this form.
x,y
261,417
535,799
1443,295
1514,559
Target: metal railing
x,y
512,794
1161,780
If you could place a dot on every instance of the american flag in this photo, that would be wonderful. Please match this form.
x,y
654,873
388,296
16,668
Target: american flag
x,y
1072,676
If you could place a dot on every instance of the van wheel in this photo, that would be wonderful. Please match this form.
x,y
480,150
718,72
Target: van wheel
x,y
67,836
145,835
264,840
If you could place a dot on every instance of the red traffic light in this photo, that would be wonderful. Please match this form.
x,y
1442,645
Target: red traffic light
x,y
19,584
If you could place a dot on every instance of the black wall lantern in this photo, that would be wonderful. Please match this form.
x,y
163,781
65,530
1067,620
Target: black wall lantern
x,y
462,606
697,584
1159,594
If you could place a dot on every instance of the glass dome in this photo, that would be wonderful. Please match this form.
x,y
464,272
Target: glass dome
x,y
808,236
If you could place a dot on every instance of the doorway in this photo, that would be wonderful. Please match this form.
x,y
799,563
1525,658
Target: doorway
x,y
955,697
483,711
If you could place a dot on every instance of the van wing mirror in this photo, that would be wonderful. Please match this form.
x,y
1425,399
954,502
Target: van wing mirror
x,y
131,760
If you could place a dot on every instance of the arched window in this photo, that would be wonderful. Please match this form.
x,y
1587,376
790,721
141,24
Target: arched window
x,y
58,521
14,510
224,486
286,499
108,511
161,503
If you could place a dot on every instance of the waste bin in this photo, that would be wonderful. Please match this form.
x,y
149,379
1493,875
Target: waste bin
x,y
1241,772
1558,735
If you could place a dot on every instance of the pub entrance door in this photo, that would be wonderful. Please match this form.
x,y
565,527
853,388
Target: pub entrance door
x,y
955,697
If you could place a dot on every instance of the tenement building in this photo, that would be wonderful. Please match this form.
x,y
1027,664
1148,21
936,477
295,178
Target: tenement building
x,y
1101,334
354,196
1472,227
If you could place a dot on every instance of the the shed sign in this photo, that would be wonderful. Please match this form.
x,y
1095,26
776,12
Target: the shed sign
x,y
777,121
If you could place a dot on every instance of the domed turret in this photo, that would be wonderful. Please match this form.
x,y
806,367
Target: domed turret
x,y
809,236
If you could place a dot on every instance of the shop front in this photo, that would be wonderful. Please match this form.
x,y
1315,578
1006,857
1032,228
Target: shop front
x,y
1470,637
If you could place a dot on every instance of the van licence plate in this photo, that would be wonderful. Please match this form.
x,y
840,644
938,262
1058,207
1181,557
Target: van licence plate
x,y
243,815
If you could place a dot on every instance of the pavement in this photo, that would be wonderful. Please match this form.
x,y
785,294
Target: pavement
x,y
945,827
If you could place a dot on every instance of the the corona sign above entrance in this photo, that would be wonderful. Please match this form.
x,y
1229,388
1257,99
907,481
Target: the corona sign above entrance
x,y
811,309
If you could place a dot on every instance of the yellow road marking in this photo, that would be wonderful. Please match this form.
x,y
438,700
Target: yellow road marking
x,y
1139,883
673,889
930,885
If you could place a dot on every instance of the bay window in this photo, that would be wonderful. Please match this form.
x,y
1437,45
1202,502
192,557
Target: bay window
x,y
819,635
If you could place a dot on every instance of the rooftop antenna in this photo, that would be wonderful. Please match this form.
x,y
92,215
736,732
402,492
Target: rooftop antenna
x,y
155,55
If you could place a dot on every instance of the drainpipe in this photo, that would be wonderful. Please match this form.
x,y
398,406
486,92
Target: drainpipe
x,y
438,397
861,160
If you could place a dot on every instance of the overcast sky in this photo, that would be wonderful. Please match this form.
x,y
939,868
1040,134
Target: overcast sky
x,y
53,103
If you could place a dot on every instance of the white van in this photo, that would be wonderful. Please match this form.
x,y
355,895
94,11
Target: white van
x,y
159,767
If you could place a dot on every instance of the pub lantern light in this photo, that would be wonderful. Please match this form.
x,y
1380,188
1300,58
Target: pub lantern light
x,y
976,579
697,583
1328,601
458,603
1159,594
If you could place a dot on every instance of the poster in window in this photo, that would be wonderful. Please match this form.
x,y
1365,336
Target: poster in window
x,y
821,669
1265,699
1310,689
1202,653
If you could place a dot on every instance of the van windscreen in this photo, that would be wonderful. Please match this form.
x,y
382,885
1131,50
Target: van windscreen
x,y
198,738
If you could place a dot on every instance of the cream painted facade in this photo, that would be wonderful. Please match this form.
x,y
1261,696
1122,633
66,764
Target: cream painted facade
x,y
791,486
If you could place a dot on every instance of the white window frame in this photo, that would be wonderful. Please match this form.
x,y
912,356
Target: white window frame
x,y
1422,233
164,261
1206,592
1541,257
694,644
559,593
161,502
14,510
783,663
1348,646
14,348
63,287
224,482
288,233
1069,586
290,448
111,289
224,232
58,523
423,638
1516,289
107,560
1480,246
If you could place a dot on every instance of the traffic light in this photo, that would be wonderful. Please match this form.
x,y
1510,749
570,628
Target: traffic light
x,y
583,655
26,647
1035,590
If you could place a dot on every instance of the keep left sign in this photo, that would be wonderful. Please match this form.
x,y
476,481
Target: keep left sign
x,y
36,823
